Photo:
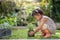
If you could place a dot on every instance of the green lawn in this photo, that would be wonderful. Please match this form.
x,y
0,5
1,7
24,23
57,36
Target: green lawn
x,y
18,33
22,34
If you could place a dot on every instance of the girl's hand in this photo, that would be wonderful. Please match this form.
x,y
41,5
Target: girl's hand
x,y
31,33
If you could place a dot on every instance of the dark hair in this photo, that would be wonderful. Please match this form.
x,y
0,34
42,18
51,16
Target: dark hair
x,y
37,11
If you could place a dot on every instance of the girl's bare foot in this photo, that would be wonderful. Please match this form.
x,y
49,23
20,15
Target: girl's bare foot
x,y
47,35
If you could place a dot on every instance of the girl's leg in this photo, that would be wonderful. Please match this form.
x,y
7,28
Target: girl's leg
x,y
47,33
43,33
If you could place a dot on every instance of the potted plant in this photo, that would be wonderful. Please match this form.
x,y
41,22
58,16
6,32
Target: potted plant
x,y
30,28
5,29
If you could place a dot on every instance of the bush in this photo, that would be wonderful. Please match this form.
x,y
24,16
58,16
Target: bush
x,y
7,12
30,19
55,10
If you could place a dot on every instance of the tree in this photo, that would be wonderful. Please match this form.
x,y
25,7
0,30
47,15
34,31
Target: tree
x,y
55,10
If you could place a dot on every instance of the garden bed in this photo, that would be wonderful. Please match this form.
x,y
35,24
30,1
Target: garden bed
x,y
22,34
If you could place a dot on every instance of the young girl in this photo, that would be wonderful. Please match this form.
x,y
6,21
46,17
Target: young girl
x,y
45,24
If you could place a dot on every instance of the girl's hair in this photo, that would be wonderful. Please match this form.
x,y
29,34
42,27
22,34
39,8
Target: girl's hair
x,y
37,11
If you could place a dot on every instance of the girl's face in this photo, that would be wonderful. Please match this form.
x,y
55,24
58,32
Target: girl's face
x,y
38,16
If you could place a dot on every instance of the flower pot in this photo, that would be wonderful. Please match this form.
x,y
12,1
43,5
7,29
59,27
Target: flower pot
x,y
5,32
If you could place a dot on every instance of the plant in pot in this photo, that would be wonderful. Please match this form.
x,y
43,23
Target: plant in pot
x,y
5,29
30,28
5,26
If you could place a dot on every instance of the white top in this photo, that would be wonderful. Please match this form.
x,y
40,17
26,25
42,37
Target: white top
x,y
49,22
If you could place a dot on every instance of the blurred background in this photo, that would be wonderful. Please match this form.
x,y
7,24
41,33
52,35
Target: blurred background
x,y
15,15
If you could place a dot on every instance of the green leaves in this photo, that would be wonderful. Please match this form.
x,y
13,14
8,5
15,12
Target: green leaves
x,y
30,19
7,22
31,26
5,25
55,14
7,14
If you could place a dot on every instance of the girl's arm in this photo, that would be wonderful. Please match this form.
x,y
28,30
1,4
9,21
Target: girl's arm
x,y
43,20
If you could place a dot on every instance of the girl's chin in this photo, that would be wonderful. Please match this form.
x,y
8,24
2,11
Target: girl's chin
x,y
37,19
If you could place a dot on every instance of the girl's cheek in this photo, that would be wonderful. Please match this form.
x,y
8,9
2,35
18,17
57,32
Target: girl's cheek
x,y
36,17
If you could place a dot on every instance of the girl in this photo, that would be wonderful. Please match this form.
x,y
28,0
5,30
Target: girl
x,y
45,24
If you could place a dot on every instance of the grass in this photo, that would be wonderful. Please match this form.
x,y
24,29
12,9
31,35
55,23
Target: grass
x,y
18,34
22,34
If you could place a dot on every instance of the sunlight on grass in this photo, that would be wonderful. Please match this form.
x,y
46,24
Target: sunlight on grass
x,y
22,34
19,33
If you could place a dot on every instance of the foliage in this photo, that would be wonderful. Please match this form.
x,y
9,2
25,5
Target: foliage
x,y
6,7
29,8
5,25
26,11
51,9
6,19
31,26
55,14
45,6
30,19
7,13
